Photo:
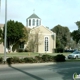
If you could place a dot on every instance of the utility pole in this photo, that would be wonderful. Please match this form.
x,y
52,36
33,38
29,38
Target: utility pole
x,y
5,38
0,5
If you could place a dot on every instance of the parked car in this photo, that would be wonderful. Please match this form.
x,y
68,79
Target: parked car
x,y
75,55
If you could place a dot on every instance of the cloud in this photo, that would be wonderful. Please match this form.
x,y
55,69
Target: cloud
x,y
52,12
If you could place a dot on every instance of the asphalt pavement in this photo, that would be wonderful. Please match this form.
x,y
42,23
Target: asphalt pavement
x,y
40,71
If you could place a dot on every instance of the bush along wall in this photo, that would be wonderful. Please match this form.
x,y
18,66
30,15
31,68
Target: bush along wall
x,y
1,60
36,59
47,58
59,58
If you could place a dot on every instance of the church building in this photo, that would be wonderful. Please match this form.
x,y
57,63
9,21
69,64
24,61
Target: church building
x,y
44,38
41,39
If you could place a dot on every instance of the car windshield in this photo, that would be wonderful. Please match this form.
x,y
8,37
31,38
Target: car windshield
x,y
76,52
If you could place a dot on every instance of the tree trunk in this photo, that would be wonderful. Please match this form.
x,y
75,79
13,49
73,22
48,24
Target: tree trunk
x,y
11,48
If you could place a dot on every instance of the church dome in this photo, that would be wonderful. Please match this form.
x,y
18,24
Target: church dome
x,y
33,16
33,21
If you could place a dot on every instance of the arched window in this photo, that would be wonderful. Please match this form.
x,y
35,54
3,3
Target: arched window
x,y
46,44
37,22
29,22
33,22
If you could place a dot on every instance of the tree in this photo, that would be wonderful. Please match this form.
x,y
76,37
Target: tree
x,y
62,35
1,36
75,35
25,35
15,33
34,40
78,24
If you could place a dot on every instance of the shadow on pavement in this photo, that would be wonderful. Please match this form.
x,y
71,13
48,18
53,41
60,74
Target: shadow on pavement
x,y
66,70
35,77
9,64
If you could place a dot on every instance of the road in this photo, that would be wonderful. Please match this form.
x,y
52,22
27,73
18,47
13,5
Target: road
x,y
59,71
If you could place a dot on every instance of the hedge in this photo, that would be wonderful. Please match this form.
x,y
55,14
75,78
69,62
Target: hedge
x,y
59,58
36,59
1,60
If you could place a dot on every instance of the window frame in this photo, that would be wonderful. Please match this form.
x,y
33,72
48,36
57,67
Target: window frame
x,y
46,43
21,45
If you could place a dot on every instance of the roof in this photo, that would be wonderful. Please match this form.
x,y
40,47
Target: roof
x,y
45,28
33,16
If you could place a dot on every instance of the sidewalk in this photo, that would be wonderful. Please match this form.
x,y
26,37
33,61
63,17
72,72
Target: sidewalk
x,y
34,64
27,64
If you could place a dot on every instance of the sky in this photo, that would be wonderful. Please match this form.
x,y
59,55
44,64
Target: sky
x,y
51,12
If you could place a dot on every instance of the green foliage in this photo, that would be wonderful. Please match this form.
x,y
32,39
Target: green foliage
x,y
1,36
1,59
20,50
62,35
16,32
9,61
59,58
47,58
75,35
25,35
38,59
34,40
78,24
16,60
31,45
59,50
29,60
59,46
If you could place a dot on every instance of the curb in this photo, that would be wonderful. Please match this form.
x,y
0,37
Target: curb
x,y
34,64
27,64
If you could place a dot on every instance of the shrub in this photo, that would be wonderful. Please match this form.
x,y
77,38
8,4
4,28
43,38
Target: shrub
x,y
21,60
20,50
58,50
29,60
59,58
26,50
9,61
1,59
38,59
15,60
47,58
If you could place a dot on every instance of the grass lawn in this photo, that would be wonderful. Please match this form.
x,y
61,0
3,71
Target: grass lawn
x,y
28,54
73,60
65,54
21,54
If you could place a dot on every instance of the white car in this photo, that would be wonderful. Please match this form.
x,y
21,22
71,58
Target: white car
x,y
75,54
